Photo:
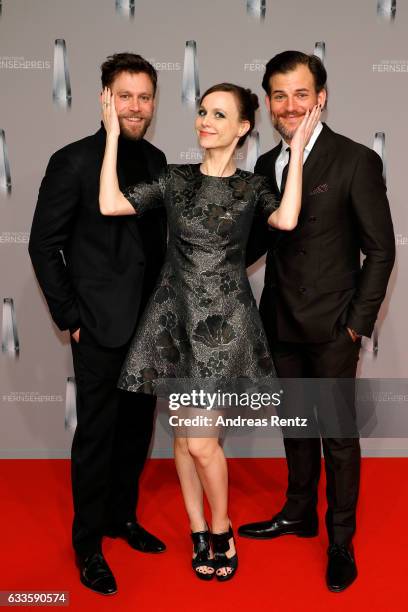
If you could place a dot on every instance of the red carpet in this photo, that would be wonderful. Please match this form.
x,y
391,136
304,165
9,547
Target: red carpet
x,y
283,575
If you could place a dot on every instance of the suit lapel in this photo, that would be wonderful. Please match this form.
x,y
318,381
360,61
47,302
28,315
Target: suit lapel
x,y
319,159
316,164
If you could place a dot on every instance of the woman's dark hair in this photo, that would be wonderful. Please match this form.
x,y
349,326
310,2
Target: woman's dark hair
x,y
247,103
289,60
126,62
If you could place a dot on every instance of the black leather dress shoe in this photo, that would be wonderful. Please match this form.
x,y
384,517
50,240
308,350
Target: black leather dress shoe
x,y
279,525
341,568
96,574
138,538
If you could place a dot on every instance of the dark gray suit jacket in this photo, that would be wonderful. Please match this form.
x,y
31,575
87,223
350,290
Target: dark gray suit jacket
x,y
314,277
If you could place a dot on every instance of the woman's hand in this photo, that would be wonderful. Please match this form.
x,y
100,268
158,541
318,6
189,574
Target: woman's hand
x,y
305,129
287,215
111,199
109,114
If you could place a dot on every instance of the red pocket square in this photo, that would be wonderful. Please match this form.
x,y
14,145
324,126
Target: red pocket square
x,y
320,189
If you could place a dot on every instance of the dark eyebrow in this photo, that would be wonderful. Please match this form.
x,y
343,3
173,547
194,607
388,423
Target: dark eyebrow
x,y
274,91
125,91
216,110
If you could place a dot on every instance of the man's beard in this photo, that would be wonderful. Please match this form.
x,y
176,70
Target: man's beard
x,y
130,134
286,133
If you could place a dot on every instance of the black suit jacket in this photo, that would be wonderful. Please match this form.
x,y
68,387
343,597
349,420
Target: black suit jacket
x,y
314,277
90,267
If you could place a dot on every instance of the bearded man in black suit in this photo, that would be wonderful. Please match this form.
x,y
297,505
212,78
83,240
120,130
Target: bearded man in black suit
x,y
97,290
318,300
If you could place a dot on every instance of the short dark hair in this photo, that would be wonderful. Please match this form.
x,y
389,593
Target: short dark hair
x,y
126,62
289,60
247,104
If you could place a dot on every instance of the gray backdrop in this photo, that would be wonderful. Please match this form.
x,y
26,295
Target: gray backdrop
x,y
49,97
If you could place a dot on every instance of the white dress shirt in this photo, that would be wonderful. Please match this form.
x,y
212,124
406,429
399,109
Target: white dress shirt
x,y
283,156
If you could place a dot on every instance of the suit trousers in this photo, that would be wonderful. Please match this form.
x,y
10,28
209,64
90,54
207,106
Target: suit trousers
x,y
110,444
335,359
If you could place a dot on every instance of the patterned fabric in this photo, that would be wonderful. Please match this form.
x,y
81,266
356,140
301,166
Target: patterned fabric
x,y
202,321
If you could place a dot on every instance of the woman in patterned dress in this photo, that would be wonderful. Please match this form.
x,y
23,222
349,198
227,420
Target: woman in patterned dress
x,y
202,323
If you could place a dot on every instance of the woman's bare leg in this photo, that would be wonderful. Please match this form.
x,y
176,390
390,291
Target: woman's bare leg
x,y
190,483
212,471
191,489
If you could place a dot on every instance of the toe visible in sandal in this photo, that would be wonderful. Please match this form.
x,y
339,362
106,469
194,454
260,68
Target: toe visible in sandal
x,y
202,551
221,546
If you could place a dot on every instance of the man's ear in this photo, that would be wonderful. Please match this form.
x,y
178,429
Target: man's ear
x,y
322,98
268,103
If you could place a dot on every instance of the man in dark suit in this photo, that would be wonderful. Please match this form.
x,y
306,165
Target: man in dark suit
x,y
318,300
96,274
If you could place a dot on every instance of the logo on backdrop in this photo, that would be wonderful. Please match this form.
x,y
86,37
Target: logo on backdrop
x,y
14,237
379,147
370,345
9,344
61,92
159,66
386,10
255,65
125,8
256,8
5,177
320,50
390,65
190,93
70,420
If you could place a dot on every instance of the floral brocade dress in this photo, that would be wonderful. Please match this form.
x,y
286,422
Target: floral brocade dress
x,y
201,323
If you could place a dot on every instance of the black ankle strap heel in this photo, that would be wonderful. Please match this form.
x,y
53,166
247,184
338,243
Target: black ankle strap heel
x,y
221,546
201,542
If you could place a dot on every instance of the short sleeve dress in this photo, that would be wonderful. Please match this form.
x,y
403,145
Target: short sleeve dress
x,y
201,322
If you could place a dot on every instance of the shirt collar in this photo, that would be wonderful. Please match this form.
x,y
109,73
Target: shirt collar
x,y
314,137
